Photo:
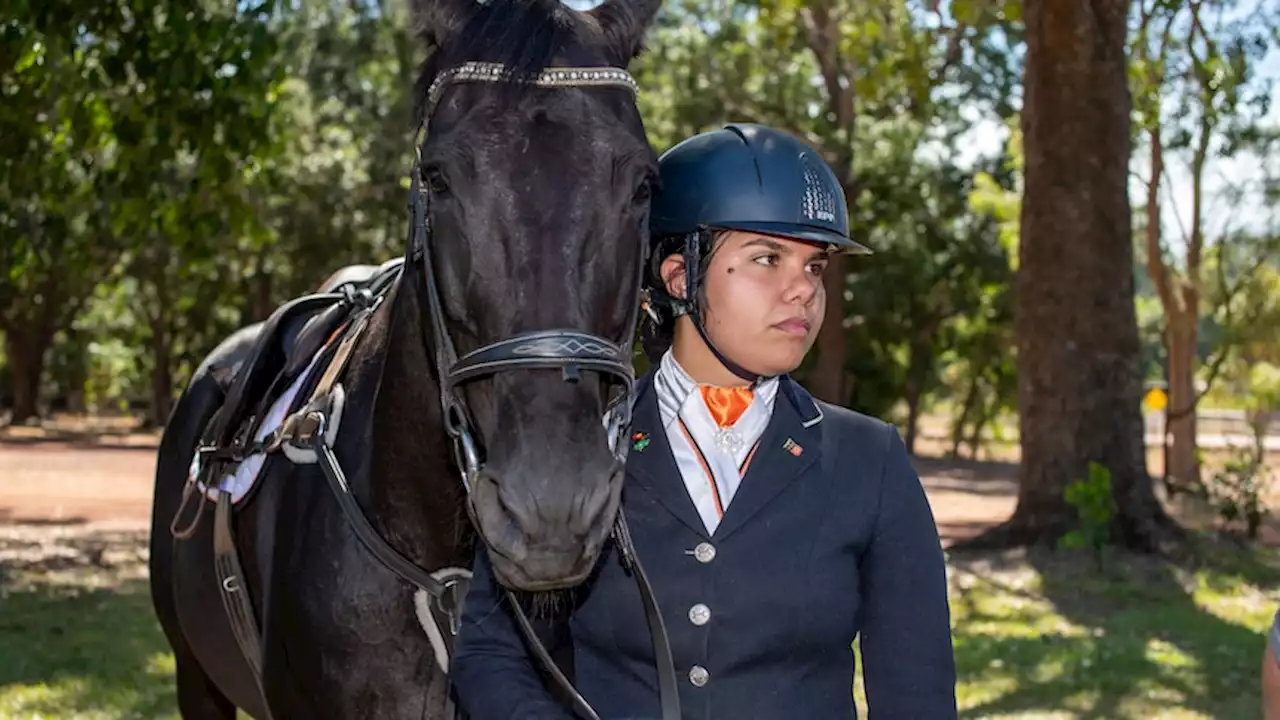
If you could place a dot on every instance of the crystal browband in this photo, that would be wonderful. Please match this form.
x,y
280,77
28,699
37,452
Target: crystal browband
x,y
551,77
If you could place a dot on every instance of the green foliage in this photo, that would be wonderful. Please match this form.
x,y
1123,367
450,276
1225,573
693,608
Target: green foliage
x,y
1095,509
1237,493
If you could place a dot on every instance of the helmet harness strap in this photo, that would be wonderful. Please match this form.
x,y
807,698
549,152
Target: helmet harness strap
x,y
694,244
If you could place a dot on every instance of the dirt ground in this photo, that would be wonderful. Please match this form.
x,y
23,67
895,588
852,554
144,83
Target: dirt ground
x,y
104,479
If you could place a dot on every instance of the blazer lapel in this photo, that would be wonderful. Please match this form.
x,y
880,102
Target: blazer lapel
x,y
791,443
650,461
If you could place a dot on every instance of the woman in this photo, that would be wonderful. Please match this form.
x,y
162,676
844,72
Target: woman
x,y
773,528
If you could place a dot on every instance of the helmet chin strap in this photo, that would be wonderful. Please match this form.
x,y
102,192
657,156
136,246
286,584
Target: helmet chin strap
x,y
692,262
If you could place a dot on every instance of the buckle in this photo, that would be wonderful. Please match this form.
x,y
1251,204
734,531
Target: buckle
x,y
449,602
307,428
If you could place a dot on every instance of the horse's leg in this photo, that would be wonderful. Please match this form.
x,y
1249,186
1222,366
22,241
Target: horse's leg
x,y
198,697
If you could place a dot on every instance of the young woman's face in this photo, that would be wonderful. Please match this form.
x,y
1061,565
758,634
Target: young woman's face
x,y
764,300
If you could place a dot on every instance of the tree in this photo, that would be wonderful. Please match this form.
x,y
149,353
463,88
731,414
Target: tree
x,y
1075,326
859,82
122,130
1196,97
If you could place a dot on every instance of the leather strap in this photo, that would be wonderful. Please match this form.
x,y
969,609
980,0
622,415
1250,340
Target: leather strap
x,y
235,595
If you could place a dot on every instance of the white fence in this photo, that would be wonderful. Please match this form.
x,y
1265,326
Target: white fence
x,y
1219,429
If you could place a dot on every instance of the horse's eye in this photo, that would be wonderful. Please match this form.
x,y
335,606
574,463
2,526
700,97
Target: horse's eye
x,y
433,180
644,191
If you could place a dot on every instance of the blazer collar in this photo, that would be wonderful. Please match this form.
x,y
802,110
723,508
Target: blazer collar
x,y
791,443
649,459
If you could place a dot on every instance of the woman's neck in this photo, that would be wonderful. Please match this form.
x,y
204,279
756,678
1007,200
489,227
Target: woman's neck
x,y
698,360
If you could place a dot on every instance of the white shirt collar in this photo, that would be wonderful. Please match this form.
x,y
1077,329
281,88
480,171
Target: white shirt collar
x,y
674,386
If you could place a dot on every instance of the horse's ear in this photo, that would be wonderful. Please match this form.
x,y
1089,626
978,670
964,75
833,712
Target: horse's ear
x,y
440,21
624,24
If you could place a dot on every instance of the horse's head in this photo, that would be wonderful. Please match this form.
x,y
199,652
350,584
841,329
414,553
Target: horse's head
x,y
537,201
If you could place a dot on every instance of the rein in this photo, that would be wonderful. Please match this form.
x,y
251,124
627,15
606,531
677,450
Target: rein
x,y
568,350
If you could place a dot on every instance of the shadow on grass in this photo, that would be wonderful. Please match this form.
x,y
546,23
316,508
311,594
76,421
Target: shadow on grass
x,y
1132,640
71,651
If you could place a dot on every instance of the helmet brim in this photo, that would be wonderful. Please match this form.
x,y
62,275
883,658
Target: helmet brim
x,y
804,233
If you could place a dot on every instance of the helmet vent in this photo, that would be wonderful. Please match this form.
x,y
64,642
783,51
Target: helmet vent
x,y
818,202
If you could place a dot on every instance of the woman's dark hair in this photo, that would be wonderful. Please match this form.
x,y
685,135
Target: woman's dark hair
x,y
657,335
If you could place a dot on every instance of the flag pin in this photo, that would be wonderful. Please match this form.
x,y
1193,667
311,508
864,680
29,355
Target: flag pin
x,y
792,447
640,441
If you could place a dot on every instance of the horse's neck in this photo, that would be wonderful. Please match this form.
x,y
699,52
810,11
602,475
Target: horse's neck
x,y
416,495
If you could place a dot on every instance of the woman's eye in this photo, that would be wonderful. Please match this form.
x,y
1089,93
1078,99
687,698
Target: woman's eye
x,y
817,268
768,260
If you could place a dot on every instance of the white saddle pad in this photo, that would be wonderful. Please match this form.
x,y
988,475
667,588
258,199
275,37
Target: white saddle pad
x,y
241,481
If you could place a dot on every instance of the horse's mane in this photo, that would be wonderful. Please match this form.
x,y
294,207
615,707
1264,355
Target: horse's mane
x,y
524,35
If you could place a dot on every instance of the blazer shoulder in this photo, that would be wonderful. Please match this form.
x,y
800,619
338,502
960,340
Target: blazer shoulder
x,y
844,430
853,423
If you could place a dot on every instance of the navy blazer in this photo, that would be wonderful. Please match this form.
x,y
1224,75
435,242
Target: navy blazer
x,y
829,536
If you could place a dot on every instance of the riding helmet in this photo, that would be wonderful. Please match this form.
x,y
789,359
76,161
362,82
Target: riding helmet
x,y
752,178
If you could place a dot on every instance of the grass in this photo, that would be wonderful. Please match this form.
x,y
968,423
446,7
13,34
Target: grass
x,y
1048,635
78,638
1037,634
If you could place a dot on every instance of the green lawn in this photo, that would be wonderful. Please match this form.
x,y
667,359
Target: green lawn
x,y
1042,635
81,641
1048,635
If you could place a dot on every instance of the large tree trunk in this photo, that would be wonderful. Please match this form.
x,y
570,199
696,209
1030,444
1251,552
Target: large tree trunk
x,y
1076,332
27,347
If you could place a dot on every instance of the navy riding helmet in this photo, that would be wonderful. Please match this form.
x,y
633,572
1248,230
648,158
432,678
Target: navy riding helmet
x,y
741,177
752,178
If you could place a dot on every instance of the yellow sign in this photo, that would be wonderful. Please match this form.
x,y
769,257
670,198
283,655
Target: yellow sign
x,y
1155,399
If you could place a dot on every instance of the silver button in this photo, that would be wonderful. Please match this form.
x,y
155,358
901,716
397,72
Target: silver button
x,y
698,675
699,614
705,552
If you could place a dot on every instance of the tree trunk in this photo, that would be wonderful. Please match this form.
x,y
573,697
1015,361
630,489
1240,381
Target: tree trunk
x,y
1079,385
827,380
27,347
919,366
1180,344
966,409
161,372
821,21
913,414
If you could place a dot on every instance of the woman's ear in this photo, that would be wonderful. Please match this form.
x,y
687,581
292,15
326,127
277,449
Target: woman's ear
x,y
672,272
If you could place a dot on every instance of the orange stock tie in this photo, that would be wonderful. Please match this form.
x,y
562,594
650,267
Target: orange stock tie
x,y
726,403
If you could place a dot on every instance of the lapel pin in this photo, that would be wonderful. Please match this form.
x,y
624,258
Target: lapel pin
x,y
640,441
792,447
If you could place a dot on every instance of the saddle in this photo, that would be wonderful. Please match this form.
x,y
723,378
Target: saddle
x,y
286,345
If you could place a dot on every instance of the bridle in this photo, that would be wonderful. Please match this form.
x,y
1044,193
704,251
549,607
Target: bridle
x,y
567,350
570,351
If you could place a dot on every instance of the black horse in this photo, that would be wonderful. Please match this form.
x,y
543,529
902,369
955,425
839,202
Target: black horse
x,y
531,199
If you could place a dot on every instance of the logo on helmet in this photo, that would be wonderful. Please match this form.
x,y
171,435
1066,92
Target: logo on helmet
x,y
818,202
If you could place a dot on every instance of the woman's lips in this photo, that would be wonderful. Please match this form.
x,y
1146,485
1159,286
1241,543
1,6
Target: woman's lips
x,y
798,327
